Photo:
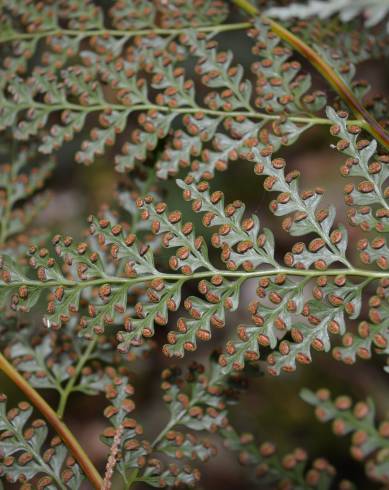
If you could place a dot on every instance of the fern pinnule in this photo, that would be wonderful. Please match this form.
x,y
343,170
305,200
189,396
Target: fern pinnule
x,y
367,199
23,455
372,334
20,183
369,442
271,468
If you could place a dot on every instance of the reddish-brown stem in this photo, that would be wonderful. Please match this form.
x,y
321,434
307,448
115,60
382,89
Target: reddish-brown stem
x,y
328,73
61,429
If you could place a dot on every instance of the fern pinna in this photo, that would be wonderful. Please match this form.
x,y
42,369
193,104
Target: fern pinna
x,y
154,90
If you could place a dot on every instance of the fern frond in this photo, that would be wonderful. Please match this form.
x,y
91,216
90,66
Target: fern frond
x,y
51,360
369,442
108,277
242,242
23,455
273,469
222,127
197,403
197,409
368,203
20,182
372,335
304,216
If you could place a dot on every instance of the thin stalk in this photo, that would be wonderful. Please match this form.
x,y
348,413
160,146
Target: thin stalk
x,y
25,36
70,384
172,422
178,110
61,429
176,420
347,271
337,83
132,478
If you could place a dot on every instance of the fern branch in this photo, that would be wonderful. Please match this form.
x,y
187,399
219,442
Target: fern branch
x,y
49,108
126,34
72,381
328,73
37,456
369,441
275,470
175,420
60,428
20,183
114,280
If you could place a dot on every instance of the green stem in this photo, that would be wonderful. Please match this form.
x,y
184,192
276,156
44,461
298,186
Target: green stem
x,y
132,478
178,110
70,384
60,428
172,422
25,36
175,420
351,271
326,70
